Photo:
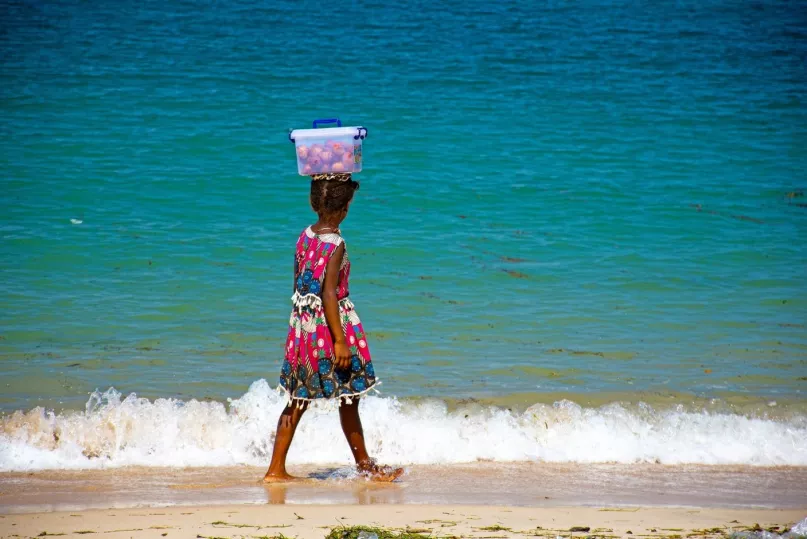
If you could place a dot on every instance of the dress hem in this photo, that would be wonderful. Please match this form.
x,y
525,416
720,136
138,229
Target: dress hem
x,y
347,398
300,301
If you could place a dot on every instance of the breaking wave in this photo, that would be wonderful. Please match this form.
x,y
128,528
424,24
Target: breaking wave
x,y
116,431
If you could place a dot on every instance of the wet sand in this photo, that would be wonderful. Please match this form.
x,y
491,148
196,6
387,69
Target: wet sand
x,y
522,484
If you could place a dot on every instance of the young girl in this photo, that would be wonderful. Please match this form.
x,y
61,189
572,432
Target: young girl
x,y
326,349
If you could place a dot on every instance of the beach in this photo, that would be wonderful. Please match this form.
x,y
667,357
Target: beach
x,y
503,484
481,500
492,500
317,521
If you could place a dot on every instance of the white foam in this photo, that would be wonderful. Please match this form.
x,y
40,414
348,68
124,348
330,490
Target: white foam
x,y
115,431
798,531
800,528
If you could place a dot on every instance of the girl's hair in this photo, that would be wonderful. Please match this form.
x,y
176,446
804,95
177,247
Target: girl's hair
x,y
331,196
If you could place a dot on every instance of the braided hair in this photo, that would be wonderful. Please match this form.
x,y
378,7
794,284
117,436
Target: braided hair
x,y
329,196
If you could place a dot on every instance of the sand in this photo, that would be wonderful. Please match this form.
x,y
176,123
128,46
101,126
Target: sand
x,y
481,500
316,521
502,484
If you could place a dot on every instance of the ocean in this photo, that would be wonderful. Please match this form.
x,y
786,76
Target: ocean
x,y
580,234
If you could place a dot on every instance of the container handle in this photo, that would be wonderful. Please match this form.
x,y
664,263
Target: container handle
x,y
290,137
360,134
336,121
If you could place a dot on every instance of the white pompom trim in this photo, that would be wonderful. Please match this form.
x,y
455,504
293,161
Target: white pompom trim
x,y
326,403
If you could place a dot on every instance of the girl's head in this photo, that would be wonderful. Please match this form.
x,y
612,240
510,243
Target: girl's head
x,y
331,194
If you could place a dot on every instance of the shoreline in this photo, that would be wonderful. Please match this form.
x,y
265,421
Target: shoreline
x,y
318,521
539,485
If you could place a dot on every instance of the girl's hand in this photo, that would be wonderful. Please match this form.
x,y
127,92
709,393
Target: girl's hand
x,y
341,355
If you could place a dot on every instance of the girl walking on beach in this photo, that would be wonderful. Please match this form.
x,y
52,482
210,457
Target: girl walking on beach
x,y
327,356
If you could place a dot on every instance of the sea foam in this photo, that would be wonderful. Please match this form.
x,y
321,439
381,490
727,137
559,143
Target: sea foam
x,y
116,431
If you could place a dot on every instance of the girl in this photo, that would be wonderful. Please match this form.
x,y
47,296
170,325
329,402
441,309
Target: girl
x,y
326,349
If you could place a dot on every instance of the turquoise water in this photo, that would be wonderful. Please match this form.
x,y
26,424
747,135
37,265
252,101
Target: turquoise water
x,y
587,197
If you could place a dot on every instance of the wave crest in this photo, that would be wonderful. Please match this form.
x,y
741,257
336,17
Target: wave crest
x,y
115,431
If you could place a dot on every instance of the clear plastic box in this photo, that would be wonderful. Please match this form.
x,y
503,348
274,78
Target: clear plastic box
x,y
330,149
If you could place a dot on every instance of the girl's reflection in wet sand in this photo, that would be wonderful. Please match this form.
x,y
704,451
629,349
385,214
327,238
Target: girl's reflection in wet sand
x,y
355,492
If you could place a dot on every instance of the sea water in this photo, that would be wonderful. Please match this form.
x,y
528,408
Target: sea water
x,y
580,234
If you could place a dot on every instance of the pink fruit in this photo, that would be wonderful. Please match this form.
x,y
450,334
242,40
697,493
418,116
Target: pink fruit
x,y
326,156
308,170
338,167
338,149
316,149
315,163
347,160
302,152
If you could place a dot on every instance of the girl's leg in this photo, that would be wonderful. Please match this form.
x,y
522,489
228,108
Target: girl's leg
x,y
351,426
286,425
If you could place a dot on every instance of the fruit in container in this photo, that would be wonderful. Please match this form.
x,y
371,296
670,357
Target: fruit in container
x,y
316,164
328,149
337,148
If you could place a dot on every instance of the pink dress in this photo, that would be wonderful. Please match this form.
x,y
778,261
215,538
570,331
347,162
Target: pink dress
x,y
308,371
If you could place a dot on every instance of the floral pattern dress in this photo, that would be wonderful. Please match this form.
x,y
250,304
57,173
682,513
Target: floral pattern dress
x,y
308,371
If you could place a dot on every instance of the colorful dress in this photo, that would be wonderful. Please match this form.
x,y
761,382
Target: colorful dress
x,y
308,371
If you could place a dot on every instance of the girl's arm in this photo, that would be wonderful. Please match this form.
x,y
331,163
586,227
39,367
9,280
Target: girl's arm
x,y
331,304
294,275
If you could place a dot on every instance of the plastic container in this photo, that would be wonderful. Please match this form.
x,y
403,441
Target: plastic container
x,y
330,149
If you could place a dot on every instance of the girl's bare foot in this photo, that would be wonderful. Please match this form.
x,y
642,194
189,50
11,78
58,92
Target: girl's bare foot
x,y
286,425
280,478
381,474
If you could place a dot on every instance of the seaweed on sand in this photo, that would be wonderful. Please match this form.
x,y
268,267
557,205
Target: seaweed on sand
x,y
352,532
